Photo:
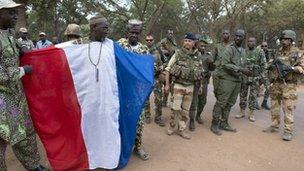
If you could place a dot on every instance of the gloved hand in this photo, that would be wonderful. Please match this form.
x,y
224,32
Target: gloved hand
x,y
28,69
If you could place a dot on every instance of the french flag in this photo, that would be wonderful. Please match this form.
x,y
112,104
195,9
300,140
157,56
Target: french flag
x,y
85,123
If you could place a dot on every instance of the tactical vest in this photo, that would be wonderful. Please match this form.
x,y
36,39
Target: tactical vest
x,y
187,68
292,58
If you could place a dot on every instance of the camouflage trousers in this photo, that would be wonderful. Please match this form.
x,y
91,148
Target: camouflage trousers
x,y
199,100
182,98
283,96
26,152
158,95
140,126
253,89
266,83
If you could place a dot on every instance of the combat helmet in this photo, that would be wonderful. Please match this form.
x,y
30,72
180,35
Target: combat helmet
x,y
288,34
72,29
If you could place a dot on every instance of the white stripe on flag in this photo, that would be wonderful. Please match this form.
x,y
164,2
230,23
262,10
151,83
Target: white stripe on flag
x,y
99,101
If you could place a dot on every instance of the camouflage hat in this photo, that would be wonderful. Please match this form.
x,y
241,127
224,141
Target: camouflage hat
x,y
204,38
23,30
8,4
135,25
72,29
288,34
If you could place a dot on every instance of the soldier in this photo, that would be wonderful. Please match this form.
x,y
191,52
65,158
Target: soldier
x,y
256,63
16,127
167,48
132,44
229,75
158,68
24,41
200,90
186,69
265,78
217,54
286,70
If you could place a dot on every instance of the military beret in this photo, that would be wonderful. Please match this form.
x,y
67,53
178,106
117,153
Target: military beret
x,y
190,36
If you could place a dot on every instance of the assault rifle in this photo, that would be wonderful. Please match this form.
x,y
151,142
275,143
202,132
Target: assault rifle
x,y
282,69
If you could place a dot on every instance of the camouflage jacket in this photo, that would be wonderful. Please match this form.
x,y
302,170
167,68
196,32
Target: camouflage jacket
x,y
14,116
139,48
188,67
256,63
158,64
292,58
168,46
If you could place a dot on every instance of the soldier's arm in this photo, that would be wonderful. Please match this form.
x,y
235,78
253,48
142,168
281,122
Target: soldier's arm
x,y
263,62
167,72
227,63
300,67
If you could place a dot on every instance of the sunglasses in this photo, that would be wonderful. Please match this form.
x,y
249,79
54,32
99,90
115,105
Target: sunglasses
x,y
264,46
149,40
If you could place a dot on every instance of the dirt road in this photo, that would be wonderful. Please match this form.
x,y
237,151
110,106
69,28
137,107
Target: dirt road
x,y
248,149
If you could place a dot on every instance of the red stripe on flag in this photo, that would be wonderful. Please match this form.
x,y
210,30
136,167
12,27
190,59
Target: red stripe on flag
x,y
54,108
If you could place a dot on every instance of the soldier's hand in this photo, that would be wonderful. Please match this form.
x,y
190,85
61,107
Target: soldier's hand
x,y
28,69
162,77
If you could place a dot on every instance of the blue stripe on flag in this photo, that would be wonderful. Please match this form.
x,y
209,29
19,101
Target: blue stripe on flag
x,y
135,77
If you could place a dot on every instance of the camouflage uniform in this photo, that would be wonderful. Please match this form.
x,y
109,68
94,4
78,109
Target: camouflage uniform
x,y
256,62
199,100
186,70
158,85
285,94
16,127
170,47
140,49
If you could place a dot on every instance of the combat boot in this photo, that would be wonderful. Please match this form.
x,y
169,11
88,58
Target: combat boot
x,y
159,121
265,105
184,135
241,114
215,127
198,119
287,136
226,127
148,120
251,116
191,125
256,106
271,129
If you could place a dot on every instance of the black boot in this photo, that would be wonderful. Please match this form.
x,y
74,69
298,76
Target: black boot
x,y
265,105
191,125
215,127
226,127
199,119
40,168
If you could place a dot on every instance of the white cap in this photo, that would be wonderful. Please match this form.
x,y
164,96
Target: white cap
x,y
23,30
8,4
42,33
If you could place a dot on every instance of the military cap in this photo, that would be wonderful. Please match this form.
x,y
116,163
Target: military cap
x,y
240,32
288,34
135,25
72,29
190,36
204,38
23,30
8,4
97,19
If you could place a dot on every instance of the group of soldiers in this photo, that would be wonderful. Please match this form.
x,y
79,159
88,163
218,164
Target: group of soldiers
x,y
183,71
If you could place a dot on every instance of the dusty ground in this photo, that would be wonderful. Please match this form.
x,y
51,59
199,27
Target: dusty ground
x,y
248,149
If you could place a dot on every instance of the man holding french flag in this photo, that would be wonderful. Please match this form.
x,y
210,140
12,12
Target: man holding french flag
x,y
85,100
